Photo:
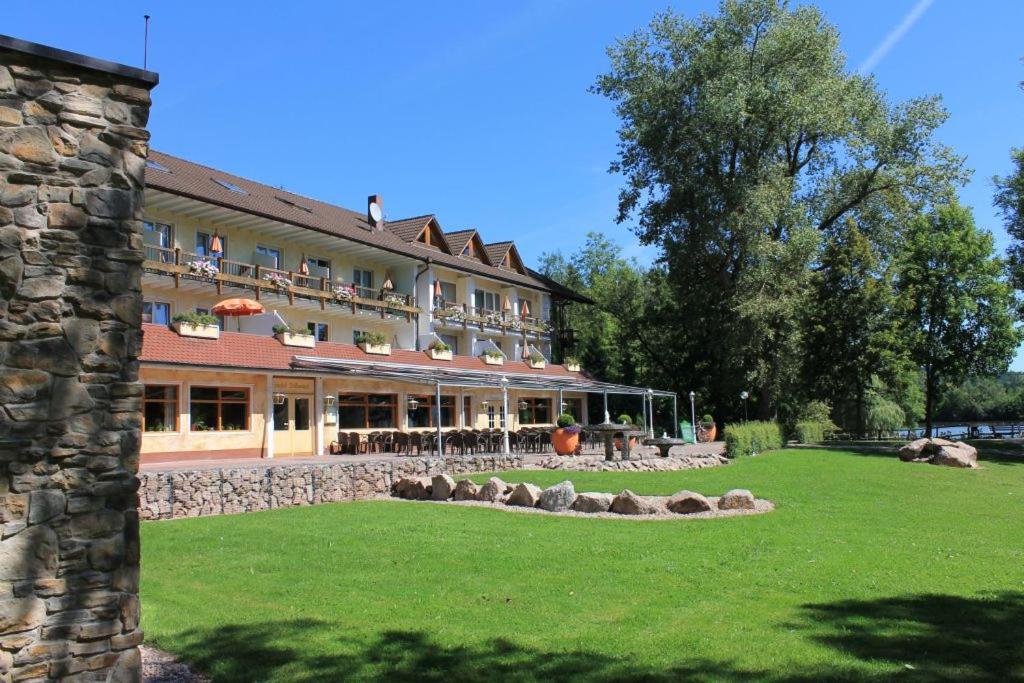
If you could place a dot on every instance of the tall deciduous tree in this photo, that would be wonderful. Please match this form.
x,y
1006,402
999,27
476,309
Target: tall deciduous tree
x,y
740,131
1009,200
958,307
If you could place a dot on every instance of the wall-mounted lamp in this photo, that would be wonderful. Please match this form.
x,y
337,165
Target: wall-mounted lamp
x,y
329,401
279,399
413,403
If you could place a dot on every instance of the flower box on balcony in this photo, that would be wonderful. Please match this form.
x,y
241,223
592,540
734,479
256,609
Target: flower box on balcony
x,y
536,364
439,354
572,365
186,329
306,341
492,359
376,349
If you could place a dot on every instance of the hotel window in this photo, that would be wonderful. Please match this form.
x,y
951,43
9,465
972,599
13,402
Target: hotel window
x,y
424,415
203,241
366,411
451,340
218,409
485,299
270,256
535,410
160,408
319,267
157,312
357,335
319,330
158,235
467,413
448,292
495,417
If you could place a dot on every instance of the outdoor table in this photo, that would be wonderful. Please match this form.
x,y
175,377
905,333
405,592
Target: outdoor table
x,y
608,430
664,443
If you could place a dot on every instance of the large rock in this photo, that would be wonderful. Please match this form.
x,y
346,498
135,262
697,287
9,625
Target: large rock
x,y
493,491
737,499
524,495
593,502
628,503
465,490
558,498
687,503
940,452
441,487
413,488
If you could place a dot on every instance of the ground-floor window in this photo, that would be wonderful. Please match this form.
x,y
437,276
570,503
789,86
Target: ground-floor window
x,y
425,412
467,413
160,408
366,411
495,417
219,409
574,406
535,410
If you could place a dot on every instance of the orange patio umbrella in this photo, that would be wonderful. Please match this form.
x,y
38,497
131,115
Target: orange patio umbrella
x,y
388,284
437,288
524,310
508,304
216,244
304,266
230,307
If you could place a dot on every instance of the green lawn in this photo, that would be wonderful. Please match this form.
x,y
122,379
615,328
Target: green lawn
x,y
869,568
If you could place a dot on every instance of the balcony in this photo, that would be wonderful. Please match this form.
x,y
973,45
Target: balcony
x,y
260,280
461,315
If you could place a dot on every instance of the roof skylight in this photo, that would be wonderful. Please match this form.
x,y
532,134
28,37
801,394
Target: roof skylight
x,y
291,203
227,185
157,166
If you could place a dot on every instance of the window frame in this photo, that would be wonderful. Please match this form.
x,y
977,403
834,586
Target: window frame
x,y
357,279
428,401
170,231
154,303
266,247
366,405
531,409
219,402
178,419
314,327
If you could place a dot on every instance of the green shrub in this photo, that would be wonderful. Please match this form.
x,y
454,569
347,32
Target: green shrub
x,y
492,353
810,432
372,338
624,419
439,346
193,318
565,420
748,438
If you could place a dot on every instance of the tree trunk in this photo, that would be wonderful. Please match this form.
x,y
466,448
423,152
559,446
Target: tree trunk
x,y
861,431
929,400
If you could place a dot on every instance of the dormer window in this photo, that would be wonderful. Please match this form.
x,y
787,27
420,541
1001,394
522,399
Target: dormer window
x,y
228,185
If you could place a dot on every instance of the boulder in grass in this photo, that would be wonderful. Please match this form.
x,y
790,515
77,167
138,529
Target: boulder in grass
x,y
442,487
628,503
493,491
593,502
737,499
465,490
958,454
524,495
687,503
557,498
413,488
914,450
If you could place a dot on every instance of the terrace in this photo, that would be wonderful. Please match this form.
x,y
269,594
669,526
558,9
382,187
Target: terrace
x,y
451,314
260,280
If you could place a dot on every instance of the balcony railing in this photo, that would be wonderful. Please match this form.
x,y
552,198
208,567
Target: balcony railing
x,y
455,314
222,272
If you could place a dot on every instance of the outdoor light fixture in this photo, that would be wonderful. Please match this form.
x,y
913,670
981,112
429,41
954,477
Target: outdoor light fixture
x,y
743,397
413,403
329,401
523,405
279,399
693,415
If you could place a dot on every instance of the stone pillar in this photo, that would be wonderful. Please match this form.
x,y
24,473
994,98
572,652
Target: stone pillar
x,y
73,146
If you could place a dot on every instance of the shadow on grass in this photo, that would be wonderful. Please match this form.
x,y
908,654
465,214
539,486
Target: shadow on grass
x,y
933,637
275,651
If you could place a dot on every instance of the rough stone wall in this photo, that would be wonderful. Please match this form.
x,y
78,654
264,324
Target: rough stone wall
x,y
229,490
672,463
73,146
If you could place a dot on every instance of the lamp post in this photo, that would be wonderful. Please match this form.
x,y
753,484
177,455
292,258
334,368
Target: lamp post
x,y
743,397
693,415
650,412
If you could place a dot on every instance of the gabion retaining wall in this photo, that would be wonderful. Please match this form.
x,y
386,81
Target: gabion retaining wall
x,y
230,490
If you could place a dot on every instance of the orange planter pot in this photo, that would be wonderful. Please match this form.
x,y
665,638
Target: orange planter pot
x,y
565,443
709,433
618,443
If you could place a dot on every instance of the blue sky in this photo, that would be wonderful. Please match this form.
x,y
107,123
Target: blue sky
x,y
479,112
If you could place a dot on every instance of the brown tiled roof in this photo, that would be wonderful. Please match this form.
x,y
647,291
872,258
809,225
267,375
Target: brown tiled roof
x,y
409,228
188,179
160,344
496,251
458,239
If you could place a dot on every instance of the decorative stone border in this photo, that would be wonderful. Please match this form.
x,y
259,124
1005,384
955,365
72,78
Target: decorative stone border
x,y
651,464
562,499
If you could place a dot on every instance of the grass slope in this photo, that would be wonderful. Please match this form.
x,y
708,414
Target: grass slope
x,y
868,568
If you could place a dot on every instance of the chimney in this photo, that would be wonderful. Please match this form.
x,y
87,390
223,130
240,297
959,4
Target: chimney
x,y
375,211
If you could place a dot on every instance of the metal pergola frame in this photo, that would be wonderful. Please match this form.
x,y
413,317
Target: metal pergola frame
x,y
477,379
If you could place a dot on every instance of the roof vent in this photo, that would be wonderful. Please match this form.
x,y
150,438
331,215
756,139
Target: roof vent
x,y
375,211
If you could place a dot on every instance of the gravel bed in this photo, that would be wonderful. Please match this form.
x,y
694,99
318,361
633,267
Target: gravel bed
x,y
162,667
761,506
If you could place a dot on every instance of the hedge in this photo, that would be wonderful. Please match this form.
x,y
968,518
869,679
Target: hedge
x,y
748,438
810,432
